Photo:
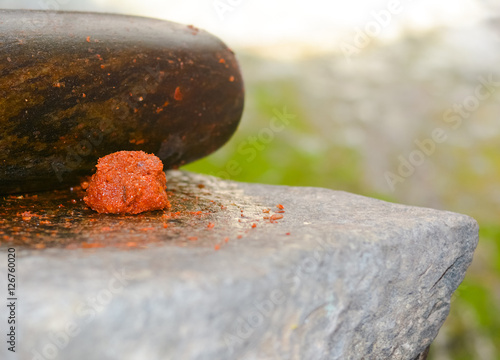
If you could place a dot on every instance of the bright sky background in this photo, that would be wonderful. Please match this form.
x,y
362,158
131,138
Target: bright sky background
x,y
325,22
322,24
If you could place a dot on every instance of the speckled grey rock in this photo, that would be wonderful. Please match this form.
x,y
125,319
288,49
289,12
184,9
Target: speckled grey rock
x,y
356,278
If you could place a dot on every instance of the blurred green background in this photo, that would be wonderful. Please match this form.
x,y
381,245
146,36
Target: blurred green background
x,y
352,121
356,116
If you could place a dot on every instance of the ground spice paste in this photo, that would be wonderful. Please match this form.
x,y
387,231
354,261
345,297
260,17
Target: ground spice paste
x,y
127,182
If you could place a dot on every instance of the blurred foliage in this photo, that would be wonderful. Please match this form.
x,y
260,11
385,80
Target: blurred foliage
x,y
292,156
472,330
352,122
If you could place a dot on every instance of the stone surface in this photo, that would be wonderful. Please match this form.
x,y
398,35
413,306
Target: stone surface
x,y
339,276
77,86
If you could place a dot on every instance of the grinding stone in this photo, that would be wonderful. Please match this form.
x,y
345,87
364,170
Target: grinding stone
x,y
340,276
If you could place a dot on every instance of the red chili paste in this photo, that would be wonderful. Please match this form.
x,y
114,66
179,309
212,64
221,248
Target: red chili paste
x,y
128,182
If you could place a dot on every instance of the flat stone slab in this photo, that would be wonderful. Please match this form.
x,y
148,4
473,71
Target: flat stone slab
x,y
332,275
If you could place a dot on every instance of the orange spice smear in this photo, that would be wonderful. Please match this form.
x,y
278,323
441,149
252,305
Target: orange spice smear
x,y
127,182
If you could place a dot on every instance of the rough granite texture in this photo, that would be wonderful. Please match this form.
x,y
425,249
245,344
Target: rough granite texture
x,y
356,278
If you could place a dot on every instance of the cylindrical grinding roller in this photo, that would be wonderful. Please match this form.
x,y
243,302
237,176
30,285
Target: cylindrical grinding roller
x,y
77,86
